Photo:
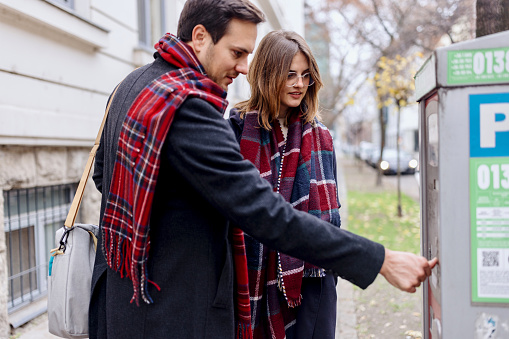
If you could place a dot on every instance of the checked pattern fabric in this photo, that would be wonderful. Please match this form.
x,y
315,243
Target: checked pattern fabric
x,y
308,183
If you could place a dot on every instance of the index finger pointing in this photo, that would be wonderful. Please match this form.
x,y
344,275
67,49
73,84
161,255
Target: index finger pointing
x,y
433,262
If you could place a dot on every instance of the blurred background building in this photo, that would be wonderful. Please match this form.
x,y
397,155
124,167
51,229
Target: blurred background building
x,y
60,60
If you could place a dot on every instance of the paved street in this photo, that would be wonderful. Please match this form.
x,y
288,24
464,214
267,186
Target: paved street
x,y
346,318
366,178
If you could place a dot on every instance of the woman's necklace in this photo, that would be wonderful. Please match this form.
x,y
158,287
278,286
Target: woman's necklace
x,y
280,282
282,155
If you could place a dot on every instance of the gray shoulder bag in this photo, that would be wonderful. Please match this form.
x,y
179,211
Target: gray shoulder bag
x,y
72,263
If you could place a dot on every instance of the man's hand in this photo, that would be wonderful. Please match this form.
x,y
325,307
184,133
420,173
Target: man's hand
x,y
406,271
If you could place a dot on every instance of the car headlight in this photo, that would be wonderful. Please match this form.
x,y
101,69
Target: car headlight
x,y
412,163
384,165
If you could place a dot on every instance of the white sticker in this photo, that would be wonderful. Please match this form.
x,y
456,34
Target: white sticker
x,y
486,326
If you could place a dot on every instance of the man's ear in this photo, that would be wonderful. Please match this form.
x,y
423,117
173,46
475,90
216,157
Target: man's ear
x,y
199,38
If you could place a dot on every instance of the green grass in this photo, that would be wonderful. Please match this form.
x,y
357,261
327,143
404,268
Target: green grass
x,y
374,216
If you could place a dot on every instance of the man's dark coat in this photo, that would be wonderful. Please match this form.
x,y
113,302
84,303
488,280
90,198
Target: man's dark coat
x,y
203,186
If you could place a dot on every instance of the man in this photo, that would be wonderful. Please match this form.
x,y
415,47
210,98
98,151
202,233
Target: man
x,y
173,180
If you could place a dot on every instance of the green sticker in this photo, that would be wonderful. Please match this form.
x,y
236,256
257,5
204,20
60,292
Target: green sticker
x,y
478,66
489,208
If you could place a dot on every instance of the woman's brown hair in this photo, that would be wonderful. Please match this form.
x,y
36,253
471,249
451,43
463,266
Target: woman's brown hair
x,y
268,74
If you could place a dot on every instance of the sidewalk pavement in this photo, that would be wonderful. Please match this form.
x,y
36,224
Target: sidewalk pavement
x,y
37,329
355,175
346,321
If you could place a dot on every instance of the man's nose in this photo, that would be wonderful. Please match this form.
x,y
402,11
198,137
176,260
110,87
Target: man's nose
x,y
242,67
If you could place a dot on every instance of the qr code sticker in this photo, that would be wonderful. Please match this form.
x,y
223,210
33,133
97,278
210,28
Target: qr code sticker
x,y
490,258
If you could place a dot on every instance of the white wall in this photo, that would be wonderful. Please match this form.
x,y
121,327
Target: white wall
x,y
61,66
59,69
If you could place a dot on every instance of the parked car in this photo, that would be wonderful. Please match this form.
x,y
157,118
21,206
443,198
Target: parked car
x,y
373,157
389,164
364,150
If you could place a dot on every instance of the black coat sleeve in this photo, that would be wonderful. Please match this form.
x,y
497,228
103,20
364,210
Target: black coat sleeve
x,y
99,166
236,124
203,148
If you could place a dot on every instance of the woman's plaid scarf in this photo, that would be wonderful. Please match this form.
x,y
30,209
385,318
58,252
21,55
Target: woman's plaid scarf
x,y
126,220
308,183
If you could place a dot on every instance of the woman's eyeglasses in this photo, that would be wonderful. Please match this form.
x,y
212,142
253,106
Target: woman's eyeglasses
x,y
293,79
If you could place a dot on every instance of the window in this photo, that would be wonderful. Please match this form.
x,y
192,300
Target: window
x,y
65,3
151,21
31,218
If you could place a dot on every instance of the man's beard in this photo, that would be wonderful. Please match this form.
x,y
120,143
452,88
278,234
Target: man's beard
x,y
209,57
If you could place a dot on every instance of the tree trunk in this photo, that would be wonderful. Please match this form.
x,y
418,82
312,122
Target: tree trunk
x,y
400,212
492,16
381,119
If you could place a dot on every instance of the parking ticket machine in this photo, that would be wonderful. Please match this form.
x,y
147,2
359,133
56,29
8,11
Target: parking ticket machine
x,y
463,95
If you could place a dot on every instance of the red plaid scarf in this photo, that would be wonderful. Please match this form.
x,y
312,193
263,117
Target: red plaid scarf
x,y
308,183
126,236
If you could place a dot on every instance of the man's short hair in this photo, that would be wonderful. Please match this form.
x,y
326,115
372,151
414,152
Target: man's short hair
x,y
215,16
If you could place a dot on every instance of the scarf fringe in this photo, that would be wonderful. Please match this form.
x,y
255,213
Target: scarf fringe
x,y
295,302
292,302
314,272
244,331
120,261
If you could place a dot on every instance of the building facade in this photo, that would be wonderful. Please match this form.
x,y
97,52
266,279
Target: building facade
x,y
60,60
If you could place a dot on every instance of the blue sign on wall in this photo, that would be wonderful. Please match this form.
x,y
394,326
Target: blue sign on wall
x,y
489,125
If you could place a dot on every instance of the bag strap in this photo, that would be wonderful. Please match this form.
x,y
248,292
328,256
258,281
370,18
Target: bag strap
x,y
73,211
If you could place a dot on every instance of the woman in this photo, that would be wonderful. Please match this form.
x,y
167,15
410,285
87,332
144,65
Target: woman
x,y
279,131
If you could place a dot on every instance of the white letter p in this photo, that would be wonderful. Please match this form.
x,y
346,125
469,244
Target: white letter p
x,y
488,124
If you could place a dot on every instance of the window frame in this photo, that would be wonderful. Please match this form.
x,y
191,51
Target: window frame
x,y
145,32
65,3
40,217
